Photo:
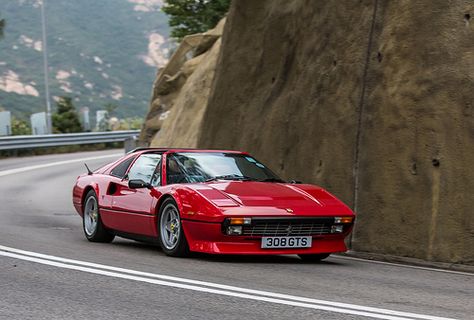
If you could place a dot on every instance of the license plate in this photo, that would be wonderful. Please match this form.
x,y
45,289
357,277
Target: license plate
x,y
286,242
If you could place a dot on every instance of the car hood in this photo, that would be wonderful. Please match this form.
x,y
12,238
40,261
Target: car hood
x,y
300,199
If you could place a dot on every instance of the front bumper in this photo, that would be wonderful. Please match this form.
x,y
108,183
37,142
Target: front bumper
x,y
208,238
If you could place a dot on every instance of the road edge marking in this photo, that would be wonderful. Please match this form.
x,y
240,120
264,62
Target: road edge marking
x,y
210,287
57,163
344,257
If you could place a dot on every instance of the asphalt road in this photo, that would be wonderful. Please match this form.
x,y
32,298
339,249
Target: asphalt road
x,y
36,215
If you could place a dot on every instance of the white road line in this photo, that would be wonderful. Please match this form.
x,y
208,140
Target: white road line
x,y
58,163
403,265
208,287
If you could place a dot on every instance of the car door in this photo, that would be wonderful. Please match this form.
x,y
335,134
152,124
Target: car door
x,y
134,208
116,175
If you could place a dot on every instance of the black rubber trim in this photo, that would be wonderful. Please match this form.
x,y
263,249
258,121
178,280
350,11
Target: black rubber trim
x,y
127,211
136,237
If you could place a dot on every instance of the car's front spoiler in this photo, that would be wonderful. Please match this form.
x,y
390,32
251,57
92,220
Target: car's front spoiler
x,y
208,238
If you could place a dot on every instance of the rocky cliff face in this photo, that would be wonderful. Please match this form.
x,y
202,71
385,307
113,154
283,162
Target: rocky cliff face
x,y
372,100
181,92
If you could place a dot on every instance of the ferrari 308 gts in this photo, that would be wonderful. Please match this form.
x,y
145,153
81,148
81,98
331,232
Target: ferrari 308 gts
x,y
211,201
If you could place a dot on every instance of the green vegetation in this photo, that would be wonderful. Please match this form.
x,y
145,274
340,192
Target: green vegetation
x,y
111,108
134,123
66,119
111,122
96,54
194,16
20,127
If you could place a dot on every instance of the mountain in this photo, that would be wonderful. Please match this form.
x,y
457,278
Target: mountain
x,y
99,52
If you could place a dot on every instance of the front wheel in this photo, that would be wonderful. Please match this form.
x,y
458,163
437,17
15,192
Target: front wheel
x,y
172,238
313,257
94,230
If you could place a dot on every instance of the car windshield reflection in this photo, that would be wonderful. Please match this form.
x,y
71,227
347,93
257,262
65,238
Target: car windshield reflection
x,y
195,167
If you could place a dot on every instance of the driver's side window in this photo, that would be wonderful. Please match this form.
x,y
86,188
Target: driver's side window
x,y
147,168
175,171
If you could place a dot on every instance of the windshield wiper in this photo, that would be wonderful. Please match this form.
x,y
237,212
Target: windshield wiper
x,y
272,180
230,177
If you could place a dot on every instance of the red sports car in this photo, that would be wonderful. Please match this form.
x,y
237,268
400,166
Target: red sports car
x,y
211,201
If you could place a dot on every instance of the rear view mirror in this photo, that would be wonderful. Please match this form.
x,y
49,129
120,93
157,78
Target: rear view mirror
x,y
138,184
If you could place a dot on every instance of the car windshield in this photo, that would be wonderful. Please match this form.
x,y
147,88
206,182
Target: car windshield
x,y
192,167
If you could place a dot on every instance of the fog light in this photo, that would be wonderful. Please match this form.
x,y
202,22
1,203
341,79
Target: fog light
x,y
337,229
234,230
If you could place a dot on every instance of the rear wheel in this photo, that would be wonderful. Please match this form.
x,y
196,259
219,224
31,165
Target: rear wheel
x,y
172,238
313,257
94,230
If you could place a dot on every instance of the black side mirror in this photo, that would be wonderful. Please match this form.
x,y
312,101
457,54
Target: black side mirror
x,y
138,184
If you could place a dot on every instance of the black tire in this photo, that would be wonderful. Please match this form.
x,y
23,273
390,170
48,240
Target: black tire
x,y
178,246
92,225
313,257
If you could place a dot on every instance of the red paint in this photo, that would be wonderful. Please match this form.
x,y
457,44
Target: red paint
x,y
204,206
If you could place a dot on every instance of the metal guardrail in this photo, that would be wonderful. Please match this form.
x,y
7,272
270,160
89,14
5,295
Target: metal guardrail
x,y
56,140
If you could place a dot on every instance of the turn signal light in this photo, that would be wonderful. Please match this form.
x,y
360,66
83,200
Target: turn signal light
x,y
240,221
343,219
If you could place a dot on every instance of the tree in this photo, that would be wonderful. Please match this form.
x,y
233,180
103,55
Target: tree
x,y
194,16
134,123
2,26
131,123
66,119
110,108
20,127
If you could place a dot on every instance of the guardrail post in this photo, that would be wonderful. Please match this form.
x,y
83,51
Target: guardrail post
x,y
130,143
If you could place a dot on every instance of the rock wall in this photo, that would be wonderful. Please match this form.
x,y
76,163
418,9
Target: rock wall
x,y
181,91
371,99
415,184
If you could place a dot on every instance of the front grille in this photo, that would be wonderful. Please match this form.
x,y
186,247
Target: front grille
x,y
288,227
